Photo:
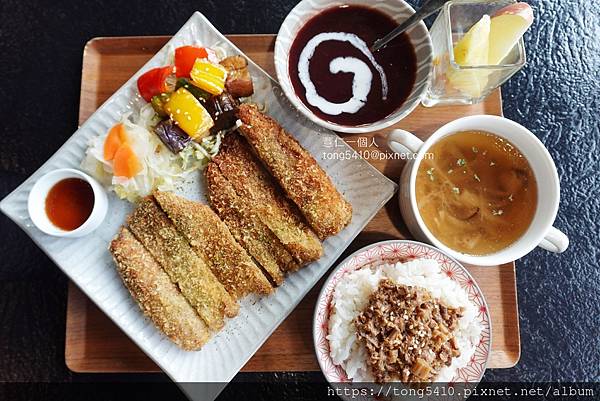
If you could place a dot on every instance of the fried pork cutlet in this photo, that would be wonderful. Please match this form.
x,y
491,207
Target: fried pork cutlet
x,y
212,241
246,226
156,295
297,172
197,283
252,182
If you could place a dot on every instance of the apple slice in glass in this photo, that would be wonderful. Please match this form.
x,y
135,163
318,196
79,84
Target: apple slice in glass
x,y
506,28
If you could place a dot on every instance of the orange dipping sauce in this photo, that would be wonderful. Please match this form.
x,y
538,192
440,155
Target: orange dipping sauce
x,y
69,203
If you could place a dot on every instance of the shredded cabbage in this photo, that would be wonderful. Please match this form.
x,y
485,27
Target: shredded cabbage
x,y
162,169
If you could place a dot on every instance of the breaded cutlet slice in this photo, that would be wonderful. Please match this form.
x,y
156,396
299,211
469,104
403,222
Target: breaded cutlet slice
x,y
211,240
247,228
156,295
197,283
303,180
252,182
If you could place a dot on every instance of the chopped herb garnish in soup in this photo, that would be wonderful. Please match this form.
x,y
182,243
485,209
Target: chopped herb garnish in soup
x,y
487,207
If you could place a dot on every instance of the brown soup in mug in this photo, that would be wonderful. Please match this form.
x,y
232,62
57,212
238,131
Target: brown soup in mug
x,y
476,192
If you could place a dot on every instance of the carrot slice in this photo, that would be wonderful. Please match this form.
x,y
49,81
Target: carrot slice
x,y
115,138
126,163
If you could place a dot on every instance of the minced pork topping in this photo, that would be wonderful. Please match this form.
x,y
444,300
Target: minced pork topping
x,y
407,333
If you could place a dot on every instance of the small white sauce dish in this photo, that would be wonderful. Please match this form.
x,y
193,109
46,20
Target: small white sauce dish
x,y
398,10
36,203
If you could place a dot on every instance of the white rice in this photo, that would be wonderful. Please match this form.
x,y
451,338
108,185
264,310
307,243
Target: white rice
x,y
352,293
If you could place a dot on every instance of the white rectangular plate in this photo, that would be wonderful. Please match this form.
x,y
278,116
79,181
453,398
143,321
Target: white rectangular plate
x,y
89,264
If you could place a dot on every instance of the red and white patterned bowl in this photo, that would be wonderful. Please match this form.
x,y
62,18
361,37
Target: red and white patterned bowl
x,y
392,252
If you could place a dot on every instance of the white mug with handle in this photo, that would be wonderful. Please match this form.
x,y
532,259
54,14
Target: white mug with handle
x,y
540,232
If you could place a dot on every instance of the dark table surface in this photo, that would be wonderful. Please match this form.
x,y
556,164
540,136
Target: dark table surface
x,y
557,96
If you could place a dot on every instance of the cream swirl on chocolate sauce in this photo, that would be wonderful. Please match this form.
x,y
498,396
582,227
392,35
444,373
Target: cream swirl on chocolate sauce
x,y
361,82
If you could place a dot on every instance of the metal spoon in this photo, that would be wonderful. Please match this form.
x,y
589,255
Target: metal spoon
x,y
428,8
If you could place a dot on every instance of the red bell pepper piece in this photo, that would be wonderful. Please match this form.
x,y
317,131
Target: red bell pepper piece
x,y
185,56
154,82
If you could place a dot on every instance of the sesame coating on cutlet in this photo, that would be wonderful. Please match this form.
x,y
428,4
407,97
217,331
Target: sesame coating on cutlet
x,y
211,240
247,228
251,181
303,180
156,295
197,283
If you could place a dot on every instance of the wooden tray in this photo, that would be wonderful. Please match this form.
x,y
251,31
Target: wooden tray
x,y
95,344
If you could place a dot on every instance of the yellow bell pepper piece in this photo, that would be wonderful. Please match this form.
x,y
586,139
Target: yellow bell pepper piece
x,y
189,114
208,76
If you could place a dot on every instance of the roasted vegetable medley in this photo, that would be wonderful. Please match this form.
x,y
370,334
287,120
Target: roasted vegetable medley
x,y
198,94
191,104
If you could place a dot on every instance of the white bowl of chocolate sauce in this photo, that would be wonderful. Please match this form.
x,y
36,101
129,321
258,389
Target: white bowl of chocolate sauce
x,y
327,71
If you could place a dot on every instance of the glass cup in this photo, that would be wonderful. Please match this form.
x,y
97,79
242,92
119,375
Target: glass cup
x,y
452,83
